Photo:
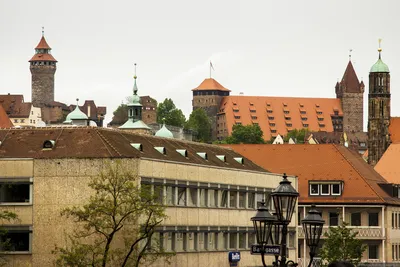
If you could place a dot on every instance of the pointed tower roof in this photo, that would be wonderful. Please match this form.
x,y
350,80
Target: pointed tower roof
x,y
350,79
210,84
42,44
76,114
164,132
4,120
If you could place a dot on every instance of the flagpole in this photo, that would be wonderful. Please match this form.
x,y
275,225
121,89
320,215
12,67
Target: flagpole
x,y
210,69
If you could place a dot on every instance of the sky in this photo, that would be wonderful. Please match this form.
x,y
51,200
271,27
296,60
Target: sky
x,y
267,48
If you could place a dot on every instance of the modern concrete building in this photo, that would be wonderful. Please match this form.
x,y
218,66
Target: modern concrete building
x,y
210,192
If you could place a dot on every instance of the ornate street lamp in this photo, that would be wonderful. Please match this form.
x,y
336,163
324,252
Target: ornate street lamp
x,y
285,198
312,226
263,222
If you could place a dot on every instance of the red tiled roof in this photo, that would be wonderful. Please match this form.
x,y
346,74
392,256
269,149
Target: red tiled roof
x,y
322,162
394,129
43,57
88,142
42,44
388,165
15,106
4,120
21,110
210,84
325,105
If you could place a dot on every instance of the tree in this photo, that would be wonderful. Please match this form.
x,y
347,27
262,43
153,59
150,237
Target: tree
x,y
120,115
201,124
117,225
5,241
297,135
168,111
249,134
341,244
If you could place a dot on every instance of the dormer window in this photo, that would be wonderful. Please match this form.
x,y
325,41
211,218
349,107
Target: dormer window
x,y
325,188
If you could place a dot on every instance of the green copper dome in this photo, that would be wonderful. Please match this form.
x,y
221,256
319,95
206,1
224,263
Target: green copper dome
x,y
76,114
379,66
164,132
130,124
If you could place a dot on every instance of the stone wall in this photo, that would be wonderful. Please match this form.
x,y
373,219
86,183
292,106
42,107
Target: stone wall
x,y
211,104
353,112
42,84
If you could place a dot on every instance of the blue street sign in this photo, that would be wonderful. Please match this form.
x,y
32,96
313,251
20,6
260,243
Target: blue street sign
x,y
234,256
268,249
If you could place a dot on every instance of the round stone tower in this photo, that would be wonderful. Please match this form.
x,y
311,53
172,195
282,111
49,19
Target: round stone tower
x,y
43,67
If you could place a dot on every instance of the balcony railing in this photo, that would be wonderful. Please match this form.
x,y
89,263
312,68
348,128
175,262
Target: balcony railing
x,y
364,232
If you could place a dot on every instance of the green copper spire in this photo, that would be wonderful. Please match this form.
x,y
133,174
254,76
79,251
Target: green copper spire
x,y
135,98
379,66
76,114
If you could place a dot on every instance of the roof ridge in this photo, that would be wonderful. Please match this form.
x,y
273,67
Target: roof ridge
x,y
351,164
105,141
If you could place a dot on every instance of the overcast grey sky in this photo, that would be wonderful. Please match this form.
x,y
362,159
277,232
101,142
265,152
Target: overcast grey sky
x,y
284,48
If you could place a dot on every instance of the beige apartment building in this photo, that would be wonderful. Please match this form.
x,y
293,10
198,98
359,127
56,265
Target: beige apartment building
x,y
210,192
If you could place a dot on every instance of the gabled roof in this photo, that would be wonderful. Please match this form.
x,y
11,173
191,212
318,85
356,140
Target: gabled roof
x,y
4,120
394,129
88,142
285,112
325,163
14,106
210,84
42,44
350,81
388,165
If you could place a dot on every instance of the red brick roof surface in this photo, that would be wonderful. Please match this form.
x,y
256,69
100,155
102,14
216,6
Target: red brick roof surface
x,y
43,57
325,163
388,165
15,106
278,105
210,84
88,142
394,129
350,80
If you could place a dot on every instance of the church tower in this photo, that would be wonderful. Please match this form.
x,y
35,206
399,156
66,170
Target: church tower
x,y
378,110
43,68
351,94
208,96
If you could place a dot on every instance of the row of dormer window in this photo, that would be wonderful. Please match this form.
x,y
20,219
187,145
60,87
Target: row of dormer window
x,y
325,189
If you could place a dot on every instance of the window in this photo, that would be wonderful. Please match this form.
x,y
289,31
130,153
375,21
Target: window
x,y
305,124
15,191
22,120
179,241
286,111
242,240
212,241
237,117
232,240
373,219
19,239
203,197
272,124
260,197
314,189
201,237
253,117
223,201
190,242
15,120
170,191
270,117
181,196
325,189
168,241
232,199
356,219
242,199
333,219
373,252
320,119
158,193
289,125
212,198
192,198
269,111
336,189
251,200
252,111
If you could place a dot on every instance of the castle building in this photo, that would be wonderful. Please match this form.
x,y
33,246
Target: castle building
x,y
378,110
280,115
43,67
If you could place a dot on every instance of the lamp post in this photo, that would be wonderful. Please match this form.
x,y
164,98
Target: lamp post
x,y
273,229
312,226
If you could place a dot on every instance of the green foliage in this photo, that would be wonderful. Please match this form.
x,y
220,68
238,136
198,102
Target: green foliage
x,y
341,244
297,135
249,134
172,115
120,115
201,124
115,226
5,218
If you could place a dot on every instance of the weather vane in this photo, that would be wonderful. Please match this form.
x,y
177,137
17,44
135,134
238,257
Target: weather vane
x,y
135,72
350,50
42,31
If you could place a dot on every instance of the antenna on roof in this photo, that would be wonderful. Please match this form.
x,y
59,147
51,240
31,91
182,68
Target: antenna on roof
x,y
350,50
42,31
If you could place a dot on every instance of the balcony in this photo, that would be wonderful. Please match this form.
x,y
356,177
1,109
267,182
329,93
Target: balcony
x,y
364,232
